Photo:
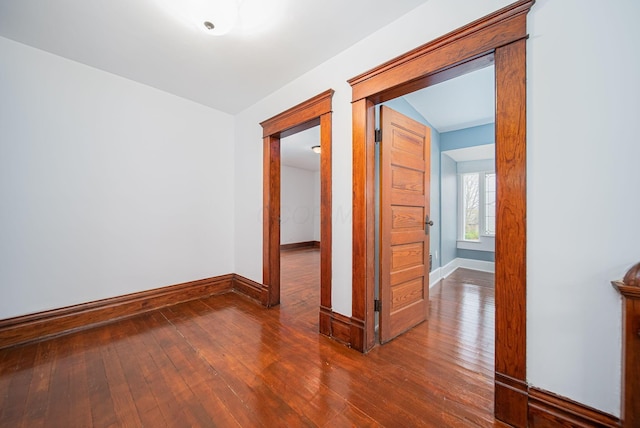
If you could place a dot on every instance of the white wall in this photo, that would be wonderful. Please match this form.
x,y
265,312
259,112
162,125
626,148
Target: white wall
x,y
582,109
583,180
107,187
298,205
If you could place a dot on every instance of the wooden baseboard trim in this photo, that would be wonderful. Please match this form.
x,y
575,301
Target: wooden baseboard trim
x,y
341,328
335,326
247,287
511,400
547,409
324,321
357,336
297,245
541,408
47,324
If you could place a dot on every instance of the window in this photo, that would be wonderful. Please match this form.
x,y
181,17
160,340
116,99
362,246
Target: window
x,y
478,205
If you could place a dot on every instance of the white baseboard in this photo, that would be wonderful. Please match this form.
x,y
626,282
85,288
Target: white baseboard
x,y
456,263
477,265
435,277
449,268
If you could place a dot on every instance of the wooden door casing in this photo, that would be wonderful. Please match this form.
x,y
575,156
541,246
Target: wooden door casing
x,y
404,206
499,37
313,112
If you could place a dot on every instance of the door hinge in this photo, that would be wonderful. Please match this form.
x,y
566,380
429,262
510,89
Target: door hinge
x,y
378,135
377,305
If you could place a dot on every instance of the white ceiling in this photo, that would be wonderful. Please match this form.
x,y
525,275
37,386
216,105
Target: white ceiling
x,y
486,151
275,42
295,150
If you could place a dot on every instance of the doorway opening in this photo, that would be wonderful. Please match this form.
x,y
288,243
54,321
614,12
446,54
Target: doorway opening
x,y
499,38
447,231
315,112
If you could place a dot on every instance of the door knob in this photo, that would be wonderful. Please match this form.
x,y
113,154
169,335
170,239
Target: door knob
x,y
427,223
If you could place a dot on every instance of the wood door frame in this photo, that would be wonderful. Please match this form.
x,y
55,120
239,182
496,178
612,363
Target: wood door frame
x,y
315,111
498,38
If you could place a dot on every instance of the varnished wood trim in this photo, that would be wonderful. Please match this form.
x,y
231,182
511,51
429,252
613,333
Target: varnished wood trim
x,y
247,287
271,222
341,328
326,210
304,113
43,325
324,320
626,290
358,335
335,325
296,245
498,37
312,112
363,255
510,400
547,409
473,40
511,210
630,391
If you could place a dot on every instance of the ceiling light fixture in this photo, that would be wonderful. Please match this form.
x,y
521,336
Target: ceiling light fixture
x,y
214,17
316,149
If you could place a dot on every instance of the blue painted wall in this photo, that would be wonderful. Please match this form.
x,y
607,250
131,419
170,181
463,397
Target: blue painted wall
x,y
468,137
460,139
449,208
485,256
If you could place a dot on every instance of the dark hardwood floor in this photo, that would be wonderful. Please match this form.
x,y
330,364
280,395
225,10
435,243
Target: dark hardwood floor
x,y
226,361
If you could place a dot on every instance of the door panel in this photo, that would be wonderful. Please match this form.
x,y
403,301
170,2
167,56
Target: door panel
x,y
407,218
404,204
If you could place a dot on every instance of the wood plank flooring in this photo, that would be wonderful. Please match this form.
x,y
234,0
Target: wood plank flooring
x,y
226,361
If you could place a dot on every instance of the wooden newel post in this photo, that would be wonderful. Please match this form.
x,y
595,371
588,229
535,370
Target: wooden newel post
x,y
629,288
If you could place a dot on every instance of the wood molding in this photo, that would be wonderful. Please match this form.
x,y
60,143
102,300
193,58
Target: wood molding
x,y
335,325
326,208
510,397
324,321
46,324
271,221
363,253
296,245
409,72
500,38
313,112
247,287
547,409
358,335
300,117
626,290
511,225
630,391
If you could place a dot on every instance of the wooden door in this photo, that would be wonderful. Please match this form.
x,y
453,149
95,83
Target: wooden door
x,y
404,208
